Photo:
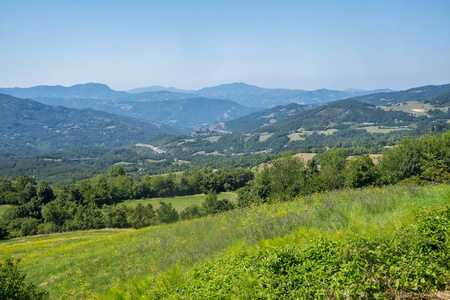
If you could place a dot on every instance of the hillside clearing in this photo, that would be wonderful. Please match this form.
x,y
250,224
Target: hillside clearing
x,y
181,202
81,264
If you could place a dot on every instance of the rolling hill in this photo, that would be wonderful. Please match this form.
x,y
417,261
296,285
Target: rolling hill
x,y
261,118
254,96
87,90
417,93
37,127
338,113
173,109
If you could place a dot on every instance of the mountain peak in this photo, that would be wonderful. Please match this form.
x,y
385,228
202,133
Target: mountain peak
x,y
231,88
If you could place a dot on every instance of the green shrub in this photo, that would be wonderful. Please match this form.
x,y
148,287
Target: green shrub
x,y
12,285
416,261
29,226
47,228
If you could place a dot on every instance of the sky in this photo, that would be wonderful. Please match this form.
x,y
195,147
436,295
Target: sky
x,y
194,44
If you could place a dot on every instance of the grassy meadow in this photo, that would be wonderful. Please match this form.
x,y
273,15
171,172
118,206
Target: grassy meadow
x,y
128,264
181,202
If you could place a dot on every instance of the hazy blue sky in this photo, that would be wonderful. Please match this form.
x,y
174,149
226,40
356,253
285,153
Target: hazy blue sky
x,y
193,44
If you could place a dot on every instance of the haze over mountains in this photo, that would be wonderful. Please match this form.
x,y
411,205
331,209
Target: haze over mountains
x,y
231,128
244,94
186,110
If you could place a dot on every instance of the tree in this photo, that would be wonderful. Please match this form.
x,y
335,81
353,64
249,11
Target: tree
x,y
211,205
166,213
284,179
332,165
115,171
191,212
142,216
44,192
360,171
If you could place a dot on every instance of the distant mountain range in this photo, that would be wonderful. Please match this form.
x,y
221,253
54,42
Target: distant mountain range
x,y
35,127
244,94
419,93
157,88
187,110
87,90
254,96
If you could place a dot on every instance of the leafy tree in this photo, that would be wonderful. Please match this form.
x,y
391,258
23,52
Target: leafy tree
x,y
284,179
59,211
211,205
224,205
86,217
332,165
248,196
360,171
44,192
166,213
116,216
29,226
142,216
191,212
115,171
4,233
401,162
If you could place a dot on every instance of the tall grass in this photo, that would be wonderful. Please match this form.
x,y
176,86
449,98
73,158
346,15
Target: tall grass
x,y
84,264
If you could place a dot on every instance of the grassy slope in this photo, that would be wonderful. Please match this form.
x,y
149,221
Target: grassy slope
x,y
130,262
181,202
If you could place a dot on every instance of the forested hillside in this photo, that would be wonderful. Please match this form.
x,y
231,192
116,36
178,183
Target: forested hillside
x,y
268,116
341,113
33,127
419,93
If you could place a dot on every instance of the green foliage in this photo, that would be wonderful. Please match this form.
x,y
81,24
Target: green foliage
x,y
29,226
283,179
44,192
166,213
248,196
360,171
416,261
134,262
426,159
120,216
12,285
332,165
191,212
142,216
4,233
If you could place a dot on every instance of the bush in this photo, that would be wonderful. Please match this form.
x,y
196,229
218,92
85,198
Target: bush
x,y
47,228
4,233
12,285
29,226
416,261
191,212
166,213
